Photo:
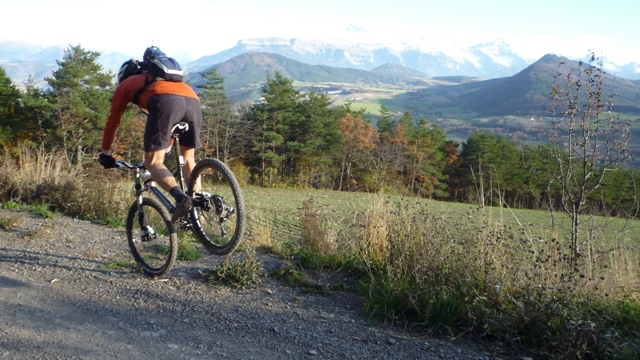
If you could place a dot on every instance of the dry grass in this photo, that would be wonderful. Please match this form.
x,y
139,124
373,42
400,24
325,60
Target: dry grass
x,y
29,169
36,176
10,222
419,243
319,235
374,240
260,231
477,276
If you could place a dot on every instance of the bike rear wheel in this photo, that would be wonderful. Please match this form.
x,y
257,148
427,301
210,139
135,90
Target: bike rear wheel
x,y
218,215
152,237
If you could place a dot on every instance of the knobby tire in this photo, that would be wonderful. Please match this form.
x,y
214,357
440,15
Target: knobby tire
x,y
158,254
217,179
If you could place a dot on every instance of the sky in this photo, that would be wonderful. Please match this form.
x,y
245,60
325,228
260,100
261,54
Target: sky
x,y
195,28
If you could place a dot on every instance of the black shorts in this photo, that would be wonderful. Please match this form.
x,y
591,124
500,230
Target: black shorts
x,y
166,110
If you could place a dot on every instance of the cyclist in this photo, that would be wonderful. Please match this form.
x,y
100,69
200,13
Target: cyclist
x,y
167,103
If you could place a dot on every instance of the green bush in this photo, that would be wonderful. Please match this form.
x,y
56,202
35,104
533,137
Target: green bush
x,y
10,205
244,273
43,210
186,251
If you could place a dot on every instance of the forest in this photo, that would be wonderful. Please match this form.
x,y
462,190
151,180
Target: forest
x,y
299,139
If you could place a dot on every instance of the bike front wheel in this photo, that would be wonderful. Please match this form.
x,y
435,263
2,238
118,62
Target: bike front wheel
x,y
218,215
152,237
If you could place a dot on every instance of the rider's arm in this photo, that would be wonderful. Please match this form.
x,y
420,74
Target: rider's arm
x,y
121,97
118,105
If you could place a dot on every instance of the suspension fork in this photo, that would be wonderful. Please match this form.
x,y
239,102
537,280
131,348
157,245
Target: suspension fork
x,y
139,190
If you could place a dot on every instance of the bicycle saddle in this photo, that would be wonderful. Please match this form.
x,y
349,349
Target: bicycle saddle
x,y
180,128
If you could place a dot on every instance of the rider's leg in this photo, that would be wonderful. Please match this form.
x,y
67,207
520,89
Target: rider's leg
x,y
189,163
189,155
154,162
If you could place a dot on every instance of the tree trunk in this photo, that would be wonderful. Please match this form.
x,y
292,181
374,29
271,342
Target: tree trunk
x,y
79,153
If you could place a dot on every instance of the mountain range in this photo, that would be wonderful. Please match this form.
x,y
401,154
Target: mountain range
x,y
21,60
486,60
525,93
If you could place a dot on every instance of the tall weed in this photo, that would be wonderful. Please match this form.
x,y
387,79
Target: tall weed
x,y
260,231
318,235
476,276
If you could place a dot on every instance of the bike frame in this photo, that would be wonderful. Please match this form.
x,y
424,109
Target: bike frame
x,y
149,184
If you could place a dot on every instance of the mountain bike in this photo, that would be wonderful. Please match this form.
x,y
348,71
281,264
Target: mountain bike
x,y
217,217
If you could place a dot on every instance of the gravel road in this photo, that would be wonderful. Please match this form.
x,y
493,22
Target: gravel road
x,y
57,301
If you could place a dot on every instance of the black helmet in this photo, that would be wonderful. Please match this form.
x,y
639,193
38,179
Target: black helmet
x,y
130,67
152,52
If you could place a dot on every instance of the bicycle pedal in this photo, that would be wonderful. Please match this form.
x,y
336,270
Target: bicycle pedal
x,y
185,225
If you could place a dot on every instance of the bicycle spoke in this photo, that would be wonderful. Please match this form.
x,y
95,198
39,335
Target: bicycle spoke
x,y
151,237
219,206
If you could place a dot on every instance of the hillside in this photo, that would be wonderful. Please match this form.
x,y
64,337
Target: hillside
x,y
528,91
390,69
244,74
523,94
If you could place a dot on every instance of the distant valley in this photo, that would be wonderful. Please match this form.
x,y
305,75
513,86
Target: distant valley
x,y
515,105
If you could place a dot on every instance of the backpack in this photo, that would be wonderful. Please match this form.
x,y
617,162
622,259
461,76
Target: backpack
x,y
158,64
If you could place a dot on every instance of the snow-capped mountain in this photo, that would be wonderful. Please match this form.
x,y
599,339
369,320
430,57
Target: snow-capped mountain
x,y
486,60
489,60
629,71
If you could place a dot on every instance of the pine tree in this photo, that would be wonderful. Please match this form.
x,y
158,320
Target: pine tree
x,y
10,100
475,164
316,137
81,92
36,114
220,127
273,118
385,124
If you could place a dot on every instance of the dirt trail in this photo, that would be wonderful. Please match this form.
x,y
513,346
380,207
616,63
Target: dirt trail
x,y
57,301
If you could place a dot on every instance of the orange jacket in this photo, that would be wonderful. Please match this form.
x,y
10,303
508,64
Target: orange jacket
x,y
127,90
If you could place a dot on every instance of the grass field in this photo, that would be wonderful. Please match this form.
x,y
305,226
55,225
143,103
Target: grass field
x,y
346,209
372,108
